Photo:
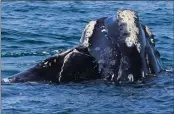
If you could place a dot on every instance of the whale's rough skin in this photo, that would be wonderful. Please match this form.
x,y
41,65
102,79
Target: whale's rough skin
x,y
117,48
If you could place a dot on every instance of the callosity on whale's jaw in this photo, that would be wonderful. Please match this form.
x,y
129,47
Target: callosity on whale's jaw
x,y
124,48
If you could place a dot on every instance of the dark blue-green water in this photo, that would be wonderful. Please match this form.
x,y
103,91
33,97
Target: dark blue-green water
x,y
32,31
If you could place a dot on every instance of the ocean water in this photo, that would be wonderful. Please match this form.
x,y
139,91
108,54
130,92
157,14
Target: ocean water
x,y
32,31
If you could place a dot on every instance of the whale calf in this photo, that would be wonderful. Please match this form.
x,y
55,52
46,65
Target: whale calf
x,y
117,48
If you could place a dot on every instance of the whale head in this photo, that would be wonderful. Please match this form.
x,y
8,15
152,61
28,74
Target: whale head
x,y
123,46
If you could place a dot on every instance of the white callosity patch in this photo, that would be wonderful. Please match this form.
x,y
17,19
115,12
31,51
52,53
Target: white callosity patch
x,y
152,41
49,62
105,31
76,51
64,53
46,63
87,33
65,61
149,33
131,77
127,21
67,57
112,77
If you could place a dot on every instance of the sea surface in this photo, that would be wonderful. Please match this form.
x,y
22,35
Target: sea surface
x,y
33,31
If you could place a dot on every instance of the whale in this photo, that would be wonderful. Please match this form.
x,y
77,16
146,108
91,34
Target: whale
x,y
116,48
